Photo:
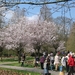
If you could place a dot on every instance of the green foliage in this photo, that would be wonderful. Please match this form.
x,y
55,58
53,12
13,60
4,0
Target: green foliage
x,y
71,40
8,53
9,59
30,65
47,47
29,62
29,58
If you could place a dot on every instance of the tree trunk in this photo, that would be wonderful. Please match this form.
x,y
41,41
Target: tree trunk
x,y
38,53
1,58
19,58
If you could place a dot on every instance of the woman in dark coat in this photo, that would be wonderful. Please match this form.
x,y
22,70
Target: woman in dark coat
x,y
42,59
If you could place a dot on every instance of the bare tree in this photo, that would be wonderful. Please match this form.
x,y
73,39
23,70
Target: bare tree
x,y
2,21
63,29
45,13
17,14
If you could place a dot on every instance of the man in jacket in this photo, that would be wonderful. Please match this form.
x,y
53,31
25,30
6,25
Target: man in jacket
x,y
71,65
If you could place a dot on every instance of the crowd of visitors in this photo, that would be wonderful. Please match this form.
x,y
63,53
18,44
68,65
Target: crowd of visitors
x,y
53,62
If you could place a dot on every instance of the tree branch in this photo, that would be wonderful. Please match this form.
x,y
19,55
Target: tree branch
x,y
32,3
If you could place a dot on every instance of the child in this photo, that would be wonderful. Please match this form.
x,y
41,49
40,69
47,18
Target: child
x,y
45,68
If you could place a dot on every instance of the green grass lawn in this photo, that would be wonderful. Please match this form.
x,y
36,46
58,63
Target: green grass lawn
x,y
19,64
30,65
15,60
9,59
16,63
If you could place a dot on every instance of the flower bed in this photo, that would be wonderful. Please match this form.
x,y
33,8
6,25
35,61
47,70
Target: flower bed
x,y
5,71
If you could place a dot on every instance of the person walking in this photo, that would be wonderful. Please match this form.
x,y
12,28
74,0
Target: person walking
x,y
56,61
51,61
71,65
46,67
67,66
63,62
23,57
36,61
48,61
42,59
46,71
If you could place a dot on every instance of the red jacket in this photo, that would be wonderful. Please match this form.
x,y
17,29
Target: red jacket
x,y
71,61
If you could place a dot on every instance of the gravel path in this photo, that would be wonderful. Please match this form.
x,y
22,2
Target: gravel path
x,y
28,69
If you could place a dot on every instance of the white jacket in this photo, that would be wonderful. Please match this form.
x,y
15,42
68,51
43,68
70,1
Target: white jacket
x,y
56,60
63,62
45,65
